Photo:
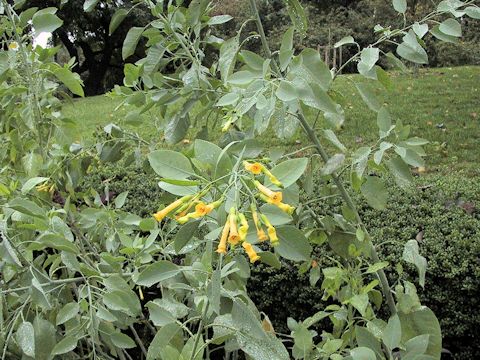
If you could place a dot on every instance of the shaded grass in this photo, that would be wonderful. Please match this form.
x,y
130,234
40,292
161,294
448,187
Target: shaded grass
x,y
441,105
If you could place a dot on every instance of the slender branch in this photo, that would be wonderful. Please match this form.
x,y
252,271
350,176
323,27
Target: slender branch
x,y
348,200
53,282
258,21
202,324
138,340
345,195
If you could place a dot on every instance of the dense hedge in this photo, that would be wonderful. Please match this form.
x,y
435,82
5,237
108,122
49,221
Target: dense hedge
x,y
442,208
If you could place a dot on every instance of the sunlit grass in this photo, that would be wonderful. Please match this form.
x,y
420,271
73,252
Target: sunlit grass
x,y
441,105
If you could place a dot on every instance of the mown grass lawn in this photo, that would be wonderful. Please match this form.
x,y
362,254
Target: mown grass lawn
x,y
441,105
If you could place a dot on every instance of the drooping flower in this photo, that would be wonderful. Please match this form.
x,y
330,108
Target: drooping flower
x,y
227,125
233,238
222,245
45,187
271,231
160,215
243,229
275,196
252,254
255,168
201,209
289,209
273,178
260,233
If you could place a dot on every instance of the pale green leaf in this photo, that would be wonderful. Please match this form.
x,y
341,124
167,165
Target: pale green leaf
x,y
375,192
286,91
116,20
89,5
422,322
411,50
392,334
435,31
362,353
286,49
122,341
473,12
31,183
157,272
451,27
293,245
26,338
69,311
289,171
412,255
333,164
420,29
345,41
131,41
401,172
45,20
330,136
67,344
71,80
400,6
185,234
368,97
170,164
219,19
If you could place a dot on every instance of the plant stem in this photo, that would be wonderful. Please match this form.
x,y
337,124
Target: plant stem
x,y
338,182
53,282
348,200
139,341
202,323
258,21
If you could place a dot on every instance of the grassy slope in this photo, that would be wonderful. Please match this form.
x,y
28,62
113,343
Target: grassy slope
x,y
448,96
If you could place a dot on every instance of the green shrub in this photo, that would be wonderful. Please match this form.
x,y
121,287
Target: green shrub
x,y
439,211
142,186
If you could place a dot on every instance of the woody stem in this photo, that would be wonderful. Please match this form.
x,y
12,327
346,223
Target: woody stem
x,y
338,182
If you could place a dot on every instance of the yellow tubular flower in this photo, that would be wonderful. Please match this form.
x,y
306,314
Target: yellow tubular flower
x,y
160,215
233,238
255,168
243,229
227,126
275,196
272,178
289,209
272,232
222,245
260,233
254,215
250,252
201,209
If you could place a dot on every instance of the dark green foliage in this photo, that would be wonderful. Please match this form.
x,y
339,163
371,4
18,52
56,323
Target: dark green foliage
x,y
439,211
330,21
143,192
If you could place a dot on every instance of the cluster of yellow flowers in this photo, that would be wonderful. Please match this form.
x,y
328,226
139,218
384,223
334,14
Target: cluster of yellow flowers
x,y
236,226
45,187
183,205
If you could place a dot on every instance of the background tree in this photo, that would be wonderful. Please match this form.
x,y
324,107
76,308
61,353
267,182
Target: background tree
x,y
86,36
